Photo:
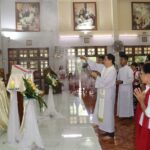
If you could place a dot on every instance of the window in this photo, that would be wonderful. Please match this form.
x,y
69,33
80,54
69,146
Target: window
x,y
91,51
24,63
137,53
32,58
147,50
71,66
128,50
101,51
80,51
33,53
23,53
138,50
43,65
71,52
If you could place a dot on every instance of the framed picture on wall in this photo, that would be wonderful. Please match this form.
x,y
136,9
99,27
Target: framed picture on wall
x,y
140,15
84,16
28,16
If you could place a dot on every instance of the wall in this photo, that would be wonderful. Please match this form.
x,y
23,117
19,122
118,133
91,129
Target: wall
x,y
104,21
114,17
1,60
47,37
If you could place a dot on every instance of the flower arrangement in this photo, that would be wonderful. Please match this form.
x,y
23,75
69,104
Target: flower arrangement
x,y
33,92
52,80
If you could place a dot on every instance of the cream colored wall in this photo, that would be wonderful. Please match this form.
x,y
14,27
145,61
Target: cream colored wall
x,y
104,20
125,16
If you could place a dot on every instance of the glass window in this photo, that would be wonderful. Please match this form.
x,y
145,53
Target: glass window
x,y
71,66
71,52
33,64
43,52
128,50
24,64
91,51
23,53
43,65
33,53
146,50
12,54
130,60
139,59
81,51
101,51
138,50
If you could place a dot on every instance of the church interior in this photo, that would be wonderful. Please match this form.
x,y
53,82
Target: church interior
x,y
51,82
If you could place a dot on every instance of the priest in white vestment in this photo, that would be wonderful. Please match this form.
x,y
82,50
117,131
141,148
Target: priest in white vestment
x,y
106,87
98,67
125,93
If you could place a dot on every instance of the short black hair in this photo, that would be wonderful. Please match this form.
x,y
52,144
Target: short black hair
x,y
146,68
134,64
124,56
111,57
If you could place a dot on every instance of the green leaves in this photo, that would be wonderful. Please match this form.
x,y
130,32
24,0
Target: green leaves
x,y
32,92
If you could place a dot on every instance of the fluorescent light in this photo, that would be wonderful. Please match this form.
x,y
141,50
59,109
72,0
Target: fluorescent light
x,y
71,135
69,36
128,35
11,35
102,35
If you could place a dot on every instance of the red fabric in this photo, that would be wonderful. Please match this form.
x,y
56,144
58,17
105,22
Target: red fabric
x,y
142,132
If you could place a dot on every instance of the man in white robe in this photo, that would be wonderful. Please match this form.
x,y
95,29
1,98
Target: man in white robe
x,y
125,93
105,84
98,67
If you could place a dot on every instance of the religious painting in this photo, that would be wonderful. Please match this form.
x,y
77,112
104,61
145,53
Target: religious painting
x,y
84,16
140,15
28,16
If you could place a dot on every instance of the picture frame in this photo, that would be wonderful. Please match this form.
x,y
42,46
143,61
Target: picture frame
x,y
84,16
140,15
28,16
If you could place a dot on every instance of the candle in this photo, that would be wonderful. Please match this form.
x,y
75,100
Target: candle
x,y
12,84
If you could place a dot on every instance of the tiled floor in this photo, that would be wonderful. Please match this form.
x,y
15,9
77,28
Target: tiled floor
x,y
72,132
125,131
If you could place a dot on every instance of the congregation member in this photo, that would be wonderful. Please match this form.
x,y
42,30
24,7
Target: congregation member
x,y
143,111
125,93
105,84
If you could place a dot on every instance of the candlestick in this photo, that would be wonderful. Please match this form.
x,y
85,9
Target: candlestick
x,y
12,85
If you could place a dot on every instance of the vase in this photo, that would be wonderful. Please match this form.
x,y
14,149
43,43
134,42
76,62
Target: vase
x,y
30,131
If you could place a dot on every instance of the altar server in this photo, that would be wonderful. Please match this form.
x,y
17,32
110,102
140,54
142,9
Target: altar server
x,y
125,94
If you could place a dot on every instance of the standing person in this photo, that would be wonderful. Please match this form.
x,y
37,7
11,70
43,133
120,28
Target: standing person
x,y
105,84
97,67
136,82
125,93
143,111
